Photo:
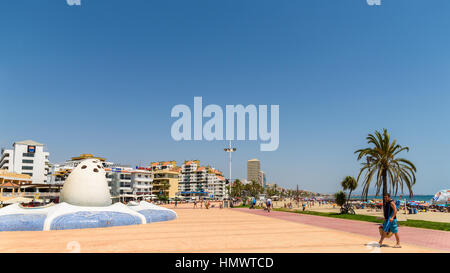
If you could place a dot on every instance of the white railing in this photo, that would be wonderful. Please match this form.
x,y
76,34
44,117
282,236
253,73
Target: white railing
x,y
9,194
42,194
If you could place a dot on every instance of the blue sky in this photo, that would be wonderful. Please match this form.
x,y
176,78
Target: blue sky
x,y
103,77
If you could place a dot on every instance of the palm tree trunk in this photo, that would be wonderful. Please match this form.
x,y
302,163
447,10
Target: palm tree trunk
x,y
384,177
349,194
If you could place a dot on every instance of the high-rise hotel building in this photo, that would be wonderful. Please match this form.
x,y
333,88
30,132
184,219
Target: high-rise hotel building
x,y
26,157
253,169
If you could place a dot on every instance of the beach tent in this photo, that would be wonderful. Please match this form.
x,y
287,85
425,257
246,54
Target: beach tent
x,y
442,197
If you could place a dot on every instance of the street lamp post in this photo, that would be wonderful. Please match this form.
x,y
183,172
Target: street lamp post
x,y
229,150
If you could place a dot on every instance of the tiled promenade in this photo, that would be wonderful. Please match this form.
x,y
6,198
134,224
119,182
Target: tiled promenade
x,y
201,230
435,239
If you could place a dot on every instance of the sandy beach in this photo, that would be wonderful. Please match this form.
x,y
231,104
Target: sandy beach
x,y
201,230
426,216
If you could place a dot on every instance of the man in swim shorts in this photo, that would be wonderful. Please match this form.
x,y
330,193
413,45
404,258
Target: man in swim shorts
x,y
390,220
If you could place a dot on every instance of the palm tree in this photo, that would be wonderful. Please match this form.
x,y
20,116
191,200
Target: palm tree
x,y
254,188
349,183
340,198
383,163
236,188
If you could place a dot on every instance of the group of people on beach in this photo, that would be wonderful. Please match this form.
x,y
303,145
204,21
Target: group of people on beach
x,y
207,204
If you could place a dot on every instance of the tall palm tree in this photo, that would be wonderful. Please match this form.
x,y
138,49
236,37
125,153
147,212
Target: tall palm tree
x,y
255,188
383,163
349,183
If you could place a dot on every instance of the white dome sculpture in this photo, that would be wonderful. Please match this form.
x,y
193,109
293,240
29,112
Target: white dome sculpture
x,y
86,185
85,203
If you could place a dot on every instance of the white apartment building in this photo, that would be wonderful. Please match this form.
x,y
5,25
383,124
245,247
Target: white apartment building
x,y
200,182
26,157
132,182
120,174
141,182
216,185
262,179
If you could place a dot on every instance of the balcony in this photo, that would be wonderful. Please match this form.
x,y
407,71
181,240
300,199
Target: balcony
x,y
142,186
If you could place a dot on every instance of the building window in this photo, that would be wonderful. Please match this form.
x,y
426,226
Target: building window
x,y
27,161
30,174
28,155
27,167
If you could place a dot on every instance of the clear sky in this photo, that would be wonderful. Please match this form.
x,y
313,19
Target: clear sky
x,y
103,77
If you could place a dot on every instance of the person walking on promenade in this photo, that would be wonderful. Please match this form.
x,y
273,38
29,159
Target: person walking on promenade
x,y
195,204
268,204
390,220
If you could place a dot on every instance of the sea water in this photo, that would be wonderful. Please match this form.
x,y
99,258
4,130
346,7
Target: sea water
x,y
414,198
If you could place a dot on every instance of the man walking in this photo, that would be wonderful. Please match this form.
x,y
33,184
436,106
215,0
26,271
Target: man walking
x,y
390,220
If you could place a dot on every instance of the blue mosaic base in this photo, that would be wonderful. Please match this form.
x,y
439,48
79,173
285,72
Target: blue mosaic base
x,y
157,215
22,222
86,219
